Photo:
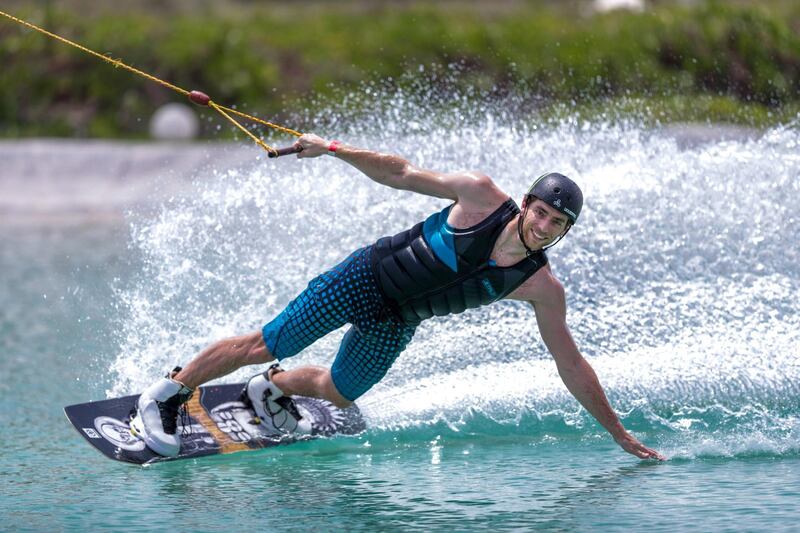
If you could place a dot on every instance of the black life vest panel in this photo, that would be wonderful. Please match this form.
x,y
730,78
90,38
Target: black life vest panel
x,y
434,269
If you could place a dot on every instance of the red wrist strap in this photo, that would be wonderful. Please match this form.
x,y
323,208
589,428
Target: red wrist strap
x,y
334,146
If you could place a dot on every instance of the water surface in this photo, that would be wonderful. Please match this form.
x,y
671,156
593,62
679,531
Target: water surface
x,y
682,280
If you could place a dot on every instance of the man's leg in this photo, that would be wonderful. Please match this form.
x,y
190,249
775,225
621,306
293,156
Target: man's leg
x,y
313,381
303,321
228,355
364,357
224,357
321,308
155,420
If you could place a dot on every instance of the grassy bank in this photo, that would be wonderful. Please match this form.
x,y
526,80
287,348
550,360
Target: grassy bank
x,y
722,61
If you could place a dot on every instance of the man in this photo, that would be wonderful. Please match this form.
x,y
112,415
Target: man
x,y
478,250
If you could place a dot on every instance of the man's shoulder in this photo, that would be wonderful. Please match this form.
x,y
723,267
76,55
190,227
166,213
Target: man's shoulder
x,y
479,191
478,197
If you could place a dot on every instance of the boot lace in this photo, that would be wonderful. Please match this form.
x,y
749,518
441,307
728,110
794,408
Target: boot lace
x,y
170,410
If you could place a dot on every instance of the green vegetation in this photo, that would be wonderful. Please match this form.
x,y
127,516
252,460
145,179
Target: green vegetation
x,y
716,61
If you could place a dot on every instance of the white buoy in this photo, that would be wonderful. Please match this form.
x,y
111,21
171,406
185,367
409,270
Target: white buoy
x,y
174,122
608,5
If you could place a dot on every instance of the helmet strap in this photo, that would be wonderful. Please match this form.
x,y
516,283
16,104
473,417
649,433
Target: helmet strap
x,y
522,215
559,238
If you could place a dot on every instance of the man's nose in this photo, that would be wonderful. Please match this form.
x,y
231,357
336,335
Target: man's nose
x,y
543,225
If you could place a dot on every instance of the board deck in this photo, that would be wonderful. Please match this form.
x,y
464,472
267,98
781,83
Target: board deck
x,y
217,423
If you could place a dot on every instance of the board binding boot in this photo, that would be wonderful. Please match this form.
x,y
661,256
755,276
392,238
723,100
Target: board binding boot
x,y
274,409
155,416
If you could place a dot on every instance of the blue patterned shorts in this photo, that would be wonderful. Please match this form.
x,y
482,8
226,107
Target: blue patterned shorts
x,y
346,294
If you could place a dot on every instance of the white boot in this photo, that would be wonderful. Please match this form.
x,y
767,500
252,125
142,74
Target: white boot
x,y
156,418
276,411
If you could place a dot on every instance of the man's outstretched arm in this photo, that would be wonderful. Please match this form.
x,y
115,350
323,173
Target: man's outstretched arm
x,y
578,375
394,171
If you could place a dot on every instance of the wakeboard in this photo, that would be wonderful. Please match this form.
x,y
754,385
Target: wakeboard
x,y
217,422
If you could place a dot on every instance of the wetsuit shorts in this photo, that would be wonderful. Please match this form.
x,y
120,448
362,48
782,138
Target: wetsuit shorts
x,y
346,294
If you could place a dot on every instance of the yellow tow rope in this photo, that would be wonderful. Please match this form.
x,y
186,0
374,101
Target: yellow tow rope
x,y
197,97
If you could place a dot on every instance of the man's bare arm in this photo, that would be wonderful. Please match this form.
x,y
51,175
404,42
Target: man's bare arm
x,y
578,375
394,171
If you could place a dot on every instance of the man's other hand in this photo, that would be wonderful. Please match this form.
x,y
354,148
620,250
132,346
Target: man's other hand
x,y
631,444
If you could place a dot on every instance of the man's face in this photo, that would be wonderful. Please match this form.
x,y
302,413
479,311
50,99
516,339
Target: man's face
x,y
543,224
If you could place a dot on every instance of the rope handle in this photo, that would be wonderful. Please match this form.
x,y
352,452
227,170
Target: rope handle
x,y
293,149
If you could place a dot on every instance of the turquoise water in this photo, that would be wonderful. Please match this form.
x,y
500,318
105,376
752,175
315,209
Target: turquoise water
x,y
682,281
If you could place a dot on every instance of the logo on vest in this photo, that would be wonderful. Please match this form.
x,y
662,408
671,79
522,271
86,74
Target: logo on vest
x,y
488,286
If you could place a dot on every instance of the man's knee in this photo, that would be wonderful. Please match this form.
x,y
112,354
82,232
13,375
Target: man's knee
x,y
333,393
260,353
341,402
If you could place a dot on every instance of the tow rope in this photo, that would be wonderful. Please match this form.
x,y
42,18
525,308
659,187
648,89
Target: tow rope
x,y
196,97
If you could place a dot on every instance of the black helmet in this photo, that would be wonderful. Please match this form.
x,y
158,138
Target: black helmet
x,y
560,192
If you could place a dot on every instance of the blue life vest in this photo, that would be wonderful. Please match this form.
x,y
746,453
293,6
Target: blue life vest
x,y
434,269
